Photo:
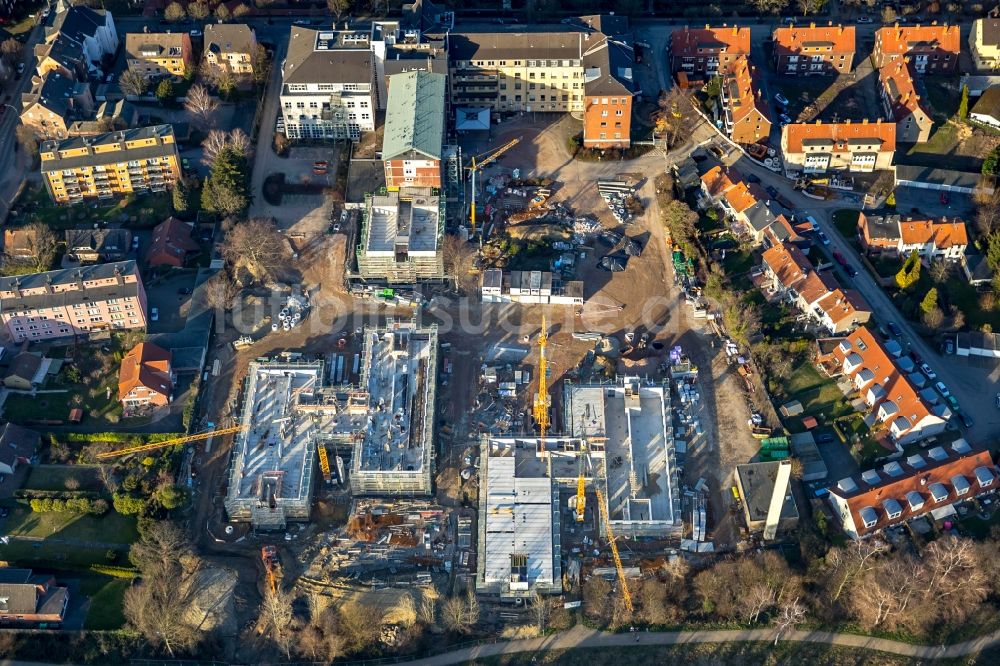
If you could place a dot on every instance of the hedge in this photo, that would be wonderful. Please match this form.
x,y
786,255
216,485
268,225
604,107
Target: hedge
x,y
29,494
115,572
114,437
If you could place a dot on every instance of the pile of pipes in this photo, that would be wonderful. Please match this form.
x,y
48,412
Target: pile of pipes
x,y
291,314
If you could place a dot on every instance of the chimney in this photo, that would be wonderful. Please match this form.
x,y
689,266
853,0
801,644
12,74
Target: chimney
x,y
812,24
119,278
17,287
48,285
736,30
79,280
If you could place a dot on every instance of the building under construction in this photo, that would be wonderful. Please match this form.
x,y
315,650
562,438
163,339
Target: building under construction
x,y
393,453
631,419
271,478
401,237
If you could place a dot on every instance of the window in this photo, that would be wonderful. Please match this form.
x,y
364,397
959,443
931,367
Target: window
x,y
619,112
604,100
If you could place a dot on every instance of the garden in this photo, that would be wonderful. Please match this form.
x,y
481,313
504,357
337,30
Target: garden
x,y
133,211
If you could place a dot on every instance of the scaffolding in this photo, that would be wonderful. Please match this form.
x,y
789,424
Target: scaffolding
x,y
401,237
453,183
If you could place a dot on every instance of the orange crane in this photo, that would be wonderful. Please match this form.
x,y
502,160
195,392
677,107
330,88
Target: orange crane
x,y
476,165
269,556
543,401
626,595
152,446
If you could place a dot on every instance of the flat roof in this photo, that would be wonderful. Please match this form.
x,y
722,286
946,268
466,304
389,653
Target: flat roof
x,y
634,418
274,455
520,542
757,480
403,224
397,370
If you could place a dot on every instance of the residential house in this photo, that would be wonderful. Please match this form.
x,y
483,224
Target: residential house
x,y
172,243
88,245
414,130
109,117
72,302
26,372
229,48
27,600
841,310
930,482
900,236
17,447
742,104
977,85
401,237
737,200
984,44
158,55
54,103
785,267
717,180
117,163
328,88
92,29
20,243
900,411
987,108
697,55
800,50
62,55
821,147
608,92
930,49
145,378
756,483
977,270
903,104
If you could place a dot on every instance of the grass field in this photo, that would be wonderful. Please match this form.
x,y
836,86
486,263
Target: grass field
x,y
111,528
49,555
846,222
106,596
818,394
141,212
56,477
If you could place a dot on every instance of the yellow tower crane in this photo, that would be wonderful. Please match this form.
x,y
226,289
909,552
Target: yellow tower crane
x,y
626,595
152,446
476,165
543,401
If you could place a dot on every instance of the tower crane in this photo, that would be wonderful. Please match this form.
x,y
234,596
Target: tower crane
x,y
476,165
152,446
543,401
626,595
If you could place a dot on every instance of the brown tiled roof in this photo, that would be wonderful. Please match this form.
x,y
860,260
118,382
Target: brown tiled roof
x,y
145,365
797,40
746,93
917,474
787,263
944,234
686,42
742,196
718,179
841,134
900,40
843,304
816,286
898,82
171,241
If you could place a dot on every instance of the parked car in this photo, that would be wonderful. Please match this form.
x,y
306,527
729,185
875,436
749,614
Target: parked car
x,y
944,198
949,346
823,238
154,314
915,355
942,389
196,33
785,119
781,99
895,330
864,19
20,68
184,291
851,270
825,438
926,369
966,420
839,258
135,243
772,191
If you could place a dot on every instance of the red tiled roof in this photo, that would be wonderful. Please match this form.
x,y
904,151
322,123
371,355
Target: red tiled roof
x,y
749,97
814,39
719,179
913,476
841,304
742,196
900,40
816,286
944,234
686,42
840,134
787,263
146,365
898,81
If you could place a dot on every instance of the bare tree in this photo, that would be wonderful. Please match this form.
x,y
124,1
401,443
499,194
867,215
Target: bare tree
x,y
199,10
39,251
453,615
219,140
790,614
339,7
768,6
201,105
404,613
847,564
275,620
260,62
257,246
358,625
108,478
427,611
156,608
10,50
460,262
27,140
132,83
541,609
759,598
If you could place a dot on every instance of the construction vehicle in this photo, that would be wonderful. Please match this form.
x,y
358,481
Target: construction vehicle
x,y
272,566
324,462
476,165
626,595
543,401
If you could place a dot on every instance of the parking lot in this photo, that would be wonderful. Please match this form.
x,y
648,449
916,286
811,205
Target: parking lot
x,y
301,213
171,305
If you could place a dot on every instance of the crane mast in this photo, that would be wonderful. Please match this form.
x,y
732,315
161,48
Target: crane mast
x,y
626,595
476,165
542,399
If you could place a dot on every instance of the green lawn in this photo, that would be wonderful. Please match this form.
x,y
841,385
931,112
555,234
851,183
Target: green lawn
x,y
55,477
112,527
737,265
819,395
846,222
106,597
49,555
144,211
942,141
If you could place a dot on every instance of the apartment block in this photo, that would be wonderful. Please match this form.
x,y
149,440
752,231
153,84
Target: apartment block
x,y
229,47
821,147
328,88
398,50
92,30
73,302
742,106
900,410
930,482
900,236
157,55
54,103
609,90
930,49
808,51
412,144
903,105
984,44
401,237
108,165
697,55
